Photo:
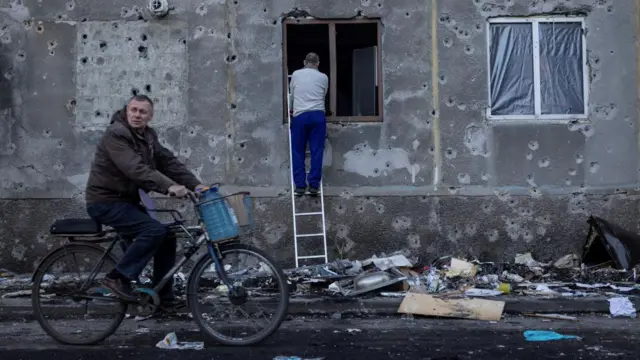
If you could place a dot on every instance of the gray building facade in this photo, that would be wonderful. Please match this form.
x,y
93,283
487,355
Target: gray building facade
x,y
472,128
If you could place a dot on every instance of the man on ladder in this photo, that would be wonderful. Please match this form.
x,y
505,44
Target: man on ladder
x,y
308,89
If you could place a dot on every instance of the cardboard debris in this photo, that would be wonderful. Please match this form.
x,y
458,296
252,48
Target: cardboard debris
x,y
461,268
479,309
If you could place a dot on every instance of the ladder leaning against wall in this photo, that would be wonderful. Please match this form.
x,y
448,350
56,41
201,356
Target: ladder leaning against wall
x,y
296,214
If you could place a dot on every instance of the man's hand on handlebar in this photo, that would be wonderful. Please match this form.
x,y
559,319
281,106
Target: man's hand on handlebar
x,y
178,191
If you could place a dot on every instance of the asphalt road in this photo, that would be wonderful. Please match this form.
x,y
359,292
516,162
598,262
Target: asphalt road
x,y
379,338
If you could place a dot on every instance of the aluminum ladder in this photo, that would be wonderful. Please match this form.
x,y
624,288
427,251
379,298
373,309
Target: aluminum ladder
x,y
296,214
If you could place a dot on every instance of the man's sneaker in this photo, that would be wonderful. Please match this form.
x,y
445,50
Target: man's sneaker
x,y
122,289
300,191
314,191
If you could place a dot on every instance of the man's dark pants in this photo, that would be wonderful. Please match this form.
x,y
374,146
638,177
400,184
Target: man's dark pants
x,y
309,127
151,240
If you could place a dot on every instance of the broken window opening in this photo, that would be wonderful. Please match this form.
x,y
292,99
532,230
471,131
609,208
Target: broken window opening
x,y
350,56
537,68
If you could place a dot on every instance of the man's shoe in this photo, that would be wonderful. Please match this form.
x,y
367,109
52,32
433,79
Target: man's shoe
x,y
299,191
314,191
171,305
122,289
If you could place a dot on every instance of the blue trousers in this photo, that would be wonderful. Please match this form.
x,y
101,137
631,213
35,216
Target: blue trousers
x,y
308,127
151,241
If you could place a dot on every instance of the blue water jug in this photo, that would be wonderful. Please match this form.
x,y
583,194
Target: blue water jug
x,y
216,216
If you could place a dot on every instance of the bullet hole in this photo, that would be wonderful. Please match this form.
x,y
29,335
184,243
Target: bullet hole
x,y
533,145
98,113
124,12
235,2
275,22
60,145
478,27
462,106
594,167
573,172
387,164
451,102
52,53
464,178
376,171
610,9
99,60
529,156
213,159
579,159
40,29
52,44
168,77
379,5
407,14
612,52
443,79
450,153
71,5
447,42
233,106
144,52
240,159
103,45
134,91
84,20
183,41
47,133
8,74
59,17
468,49
115,26
228,35
242,145
228,136
21,55
71,105
445,19
455,27
424,85
434,112
147,88
28,24
544,162
84,60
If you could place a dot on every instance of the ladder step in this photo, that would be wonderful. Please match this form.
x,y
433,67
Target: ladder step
x,y
309,213
310,235
311,257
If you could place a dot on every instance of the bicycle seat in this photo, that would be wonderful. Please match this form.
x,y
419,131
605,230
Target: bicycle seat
x,y
75,227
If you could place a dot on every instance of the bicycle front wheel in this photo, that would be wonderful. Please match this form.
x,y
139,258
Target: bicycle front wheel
x,y
259,285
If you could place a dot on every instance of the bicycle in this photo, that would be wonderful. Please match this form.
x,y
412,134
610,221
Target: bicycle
x,y
85,235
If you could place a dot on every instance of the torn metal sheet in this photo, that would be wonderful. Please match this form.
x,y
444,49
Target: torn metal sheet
x,y
609,243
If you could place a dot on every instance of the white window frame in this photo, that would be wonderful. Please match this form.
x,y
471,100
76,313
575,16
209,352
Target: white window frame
x,y
535,21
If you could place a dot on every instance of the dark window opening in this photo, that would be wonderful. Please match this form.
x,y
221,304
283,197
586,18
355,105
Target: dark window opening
x,y
349,54
303,39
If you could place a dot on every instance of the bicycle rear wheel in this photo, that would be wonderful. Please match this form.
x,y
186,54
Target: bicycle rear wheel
x,y
57,284
260,278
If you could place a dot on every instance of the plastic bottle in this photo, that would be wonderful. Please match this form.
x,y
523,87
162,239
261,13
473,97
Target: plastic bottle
x,y
216,216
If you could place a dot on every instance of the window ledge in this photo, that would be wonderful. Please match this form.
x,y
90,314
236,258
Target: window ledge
x,y
546,119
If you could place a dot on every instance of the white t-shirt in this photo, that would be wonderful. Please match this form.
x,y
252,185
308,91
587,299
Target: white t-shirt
x,y
308,88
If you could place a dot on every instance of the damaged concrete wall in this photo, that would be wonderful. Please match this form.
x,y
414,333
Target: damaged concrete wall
x,y
435,176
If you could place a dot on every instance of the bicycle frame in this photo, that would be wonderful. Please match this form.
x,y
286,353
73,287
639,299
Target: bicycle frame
x,y
175,228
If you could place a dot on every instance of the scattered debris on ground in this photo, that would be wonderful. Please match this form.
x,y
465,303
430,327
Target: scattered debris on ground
x,y
454,287
170,341
535,335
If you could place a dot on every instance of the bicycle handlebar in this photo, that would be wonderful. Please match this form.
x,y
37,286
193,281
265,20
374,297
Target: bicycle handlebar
x,y
193,196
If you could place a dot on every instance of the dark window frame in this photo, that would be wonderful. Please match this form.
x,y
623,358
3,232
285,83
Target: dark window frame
x,y
333,66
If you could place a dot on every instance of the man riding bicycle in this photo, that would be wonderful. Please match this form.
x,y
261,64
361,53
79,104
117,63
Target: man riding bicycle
x,y
129,159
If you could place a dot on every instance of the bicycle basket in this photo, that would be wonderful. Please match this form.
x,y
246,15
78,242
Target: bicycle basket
x,y
226,217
